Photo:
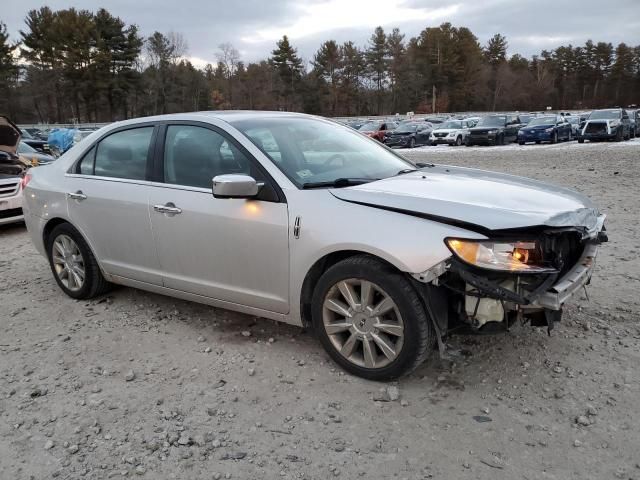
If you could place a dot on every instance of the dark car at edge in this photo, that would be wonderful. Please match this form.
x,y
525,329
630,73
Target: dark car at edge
x,y
409,135
494,130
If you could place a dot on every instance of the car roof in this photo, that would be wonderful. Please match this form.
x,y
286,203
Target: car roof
x,y
228,116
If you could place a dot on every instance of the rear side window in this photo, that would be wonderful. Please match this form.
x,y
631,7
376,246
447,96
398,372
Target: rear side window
x,y
124,154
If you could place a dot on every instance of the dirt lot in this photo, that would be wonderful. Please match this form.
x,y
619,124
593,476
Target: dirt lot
x,y
135,384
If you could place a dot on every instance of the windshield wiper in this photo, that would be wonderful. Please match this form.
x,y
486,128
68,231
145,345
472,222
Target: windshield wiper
x,y
338,183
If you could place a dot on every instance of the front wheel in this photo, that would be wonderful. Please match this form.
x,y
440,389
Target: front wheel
x,y
74,266
370,319
554,137
458,141
412,143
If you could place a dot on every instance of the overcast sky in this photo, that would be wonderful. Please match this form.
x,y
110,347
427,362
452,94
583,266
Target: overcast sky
x,y
254,26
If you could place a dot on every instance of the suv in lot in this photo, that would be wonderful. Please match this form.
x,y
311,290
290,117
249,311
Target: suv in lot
x,y
606,124
494,130
451,132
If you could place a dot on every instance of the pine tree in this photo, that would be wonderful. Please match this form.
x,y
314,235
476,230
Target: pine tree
x,y
288,67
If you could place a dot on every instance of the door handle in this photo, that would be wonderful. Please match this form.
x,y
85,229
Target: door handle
x,y
77,195
168,207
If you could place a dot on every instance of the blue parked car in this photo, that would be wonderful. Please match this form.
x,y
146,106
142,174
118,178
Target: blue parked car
x,y
547,128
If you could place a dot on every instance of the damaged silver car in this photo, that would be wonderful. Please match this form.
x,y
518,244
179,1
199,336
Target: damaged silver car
x,y
298,219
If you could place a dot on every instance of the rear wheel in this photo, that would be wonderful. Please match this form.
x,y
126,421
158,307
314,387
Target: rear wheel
x,y
370,319
74,266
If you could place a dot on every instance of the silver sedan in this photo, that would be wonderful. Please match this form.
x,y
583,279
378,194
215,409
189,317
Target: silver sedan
x,y
299,219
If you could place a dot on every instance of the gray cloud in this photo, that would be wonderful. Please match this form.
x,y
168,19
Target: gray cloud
x,y
530,26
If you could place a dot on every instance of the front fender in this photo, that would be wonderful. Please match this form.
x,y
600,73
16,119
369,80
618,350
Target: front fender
x,y
329,225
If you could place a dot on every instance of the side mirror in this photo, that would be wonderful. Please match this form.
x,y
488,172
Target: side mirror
x,y
235,186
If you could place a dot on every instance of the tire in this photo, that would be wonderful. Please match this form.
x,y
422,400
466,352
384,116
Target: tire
x,y
521,143
468,144
406,317
82,259
570,137
537,142
500,140
554,137
619,136
581,140
458,141
412,143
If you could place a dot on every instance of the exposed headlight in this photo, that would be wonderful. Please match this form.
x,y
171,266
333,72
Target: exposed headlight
x,y
548,130
452,134
492,131
519,257
614,123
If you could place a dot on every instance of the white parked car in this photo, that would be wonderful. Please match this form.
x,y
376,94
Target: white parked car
x,y
12,171
299,219
451,132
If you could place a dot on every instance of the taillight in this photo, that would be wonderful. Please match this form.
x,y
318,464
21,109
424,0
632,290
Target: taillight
x,y
25,180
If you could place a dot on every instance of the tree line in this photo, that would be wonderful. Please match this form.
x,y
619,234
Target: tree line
x,y
78,65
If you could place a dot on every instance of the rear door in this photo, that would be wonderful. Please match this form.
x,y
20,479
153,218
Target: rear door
x,y
107,199
234,250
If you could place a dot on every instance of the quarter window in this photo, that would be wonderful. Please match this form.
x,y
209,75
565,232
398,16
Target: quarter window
x,y
124,154
194,155
85,167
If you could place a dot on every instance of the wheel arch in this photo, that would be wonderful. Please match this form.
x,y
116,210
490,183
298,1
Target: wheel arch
x,y
318,268
50,225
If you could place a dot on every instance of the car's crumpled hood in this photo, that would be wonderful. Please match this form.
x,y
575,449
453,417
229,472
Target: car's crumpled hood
x,y
476,199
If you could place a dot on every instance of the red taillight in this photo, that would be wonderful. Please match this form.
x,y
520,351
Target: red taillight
x,y
25,180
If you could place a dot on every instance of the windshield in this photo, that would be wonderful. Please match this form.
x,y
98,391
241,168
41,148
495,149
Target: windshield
x,y
370,127
542,121
308,150
407,127
572,120
24,148
604,115
524,118
452,125
492,121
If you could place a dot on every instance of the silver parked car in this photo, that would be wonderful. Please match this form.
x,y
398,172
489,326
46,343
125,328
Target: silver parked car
x,y
295,218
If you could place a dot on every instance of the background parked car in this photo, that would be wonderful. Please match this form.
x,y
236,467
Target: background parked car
x,y
548,128
634,118
452,132
607,124
409,134
574,121
40,145
32,156
376,129
494,130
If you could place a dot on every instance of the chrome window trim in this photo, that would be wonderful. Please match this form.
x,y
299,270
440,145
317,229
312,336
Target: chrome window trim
x,y
147,183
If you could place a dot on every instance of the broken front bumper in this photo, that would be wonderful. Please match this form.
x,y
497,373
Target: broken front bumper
x,y
571,282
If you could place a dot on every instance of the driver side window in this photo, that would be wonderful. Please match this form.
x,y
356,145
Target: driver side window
x,y
194,155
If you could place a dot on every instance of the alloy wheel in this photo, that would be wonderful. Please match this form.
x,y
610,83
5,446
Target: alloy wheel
x,y
68,262
363,323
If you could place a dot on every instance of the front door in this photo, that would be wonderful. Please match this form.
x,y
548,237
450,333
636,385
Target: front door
x,y
234,250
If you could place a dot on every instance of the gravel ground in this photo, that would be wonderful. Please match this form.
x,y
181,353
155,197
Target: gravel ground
x,y
135,384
